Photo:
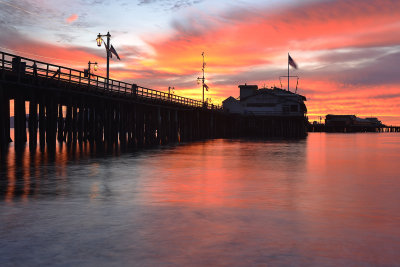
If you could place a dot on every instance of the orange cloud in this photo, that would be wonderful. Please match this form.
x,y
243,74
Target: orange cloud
x,y
72,18
249,38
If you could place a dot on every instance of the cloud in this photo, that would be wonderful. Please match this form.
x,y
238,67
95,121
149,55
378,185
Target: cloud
x,y
69,56
72,18
375,66
242,39
170,4
387,96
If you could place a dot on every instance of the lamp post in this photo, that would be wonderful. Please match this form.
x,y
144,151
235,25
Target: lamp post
x,y
99,41
87,72
95,67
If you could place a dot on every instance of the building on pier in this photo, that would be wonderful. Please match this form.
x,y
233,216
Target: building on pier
x,y
269,112
351,123
266,102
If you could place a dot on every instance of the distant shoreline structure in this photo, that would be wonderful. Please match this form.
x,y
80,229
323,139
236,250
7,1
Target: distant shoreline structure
x,y
350,124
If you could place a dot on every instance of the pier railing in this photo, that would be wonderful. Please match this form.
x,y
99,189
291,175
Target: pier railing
x,y
98,84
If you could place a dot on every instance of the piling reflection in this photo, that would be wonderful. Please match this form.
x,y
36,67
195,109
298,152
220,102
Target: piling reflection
x,y
24,169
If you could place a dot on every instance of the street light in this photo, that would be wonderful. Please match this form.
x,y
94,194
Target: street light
x,y
95,67
87,71
99,40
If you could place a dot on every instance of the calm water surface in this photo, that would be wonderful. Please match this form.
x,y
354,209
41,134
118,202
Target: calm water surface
x,y
328,200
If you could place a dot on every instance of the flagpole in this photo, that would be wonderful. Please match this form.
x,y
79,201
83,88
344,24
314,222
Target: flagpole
x,y
288,73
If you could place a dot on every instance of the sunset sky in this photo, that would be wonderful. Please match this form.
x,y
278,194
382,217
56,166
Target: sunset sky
x,y
348,52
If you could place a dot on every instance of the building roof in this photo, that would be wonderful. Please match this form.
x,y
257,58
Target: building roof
x,y
230,99
273,91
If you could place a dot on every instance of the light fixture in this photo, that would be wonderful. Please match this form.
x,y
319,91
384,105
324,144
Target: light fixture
x,y
99,40
95,66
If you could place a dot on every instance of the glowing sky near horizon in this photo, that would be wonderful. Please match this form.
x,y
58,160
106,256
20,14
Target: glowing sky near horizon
x,y
348,52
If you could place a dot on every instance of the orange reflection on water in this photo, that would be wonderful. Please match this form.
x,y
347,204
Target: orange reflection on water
x,y
228,173
10,177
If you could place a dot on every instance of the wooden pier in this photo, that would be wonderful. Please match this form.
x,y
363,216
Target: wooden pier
x,y
60,103
55,103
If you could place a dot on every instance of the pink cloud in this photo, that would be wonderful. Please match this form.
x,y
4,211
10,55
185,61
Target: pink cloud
x,y
72,18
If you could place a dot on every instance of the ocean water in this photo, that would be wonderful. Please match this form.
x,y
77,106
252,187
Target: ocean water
x,y
327,200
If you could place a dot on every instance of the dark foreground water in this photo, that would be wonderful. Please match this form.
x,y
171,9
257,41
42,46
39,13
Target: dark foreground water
x,y
328,200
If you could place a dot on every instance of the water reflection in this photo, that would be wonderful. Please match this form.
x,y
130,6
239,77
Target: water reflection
x,y
228,174
328,200
25,171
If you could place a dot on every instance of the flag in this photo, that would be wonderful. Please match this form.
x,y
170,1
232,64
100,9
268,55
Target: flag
x,y
113,51
206,86
108,51
291,62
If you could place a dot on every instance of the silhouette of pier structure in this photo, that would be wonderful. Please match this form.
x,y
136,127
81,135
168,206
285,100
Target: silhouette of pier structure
x,y
351,124
65,105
